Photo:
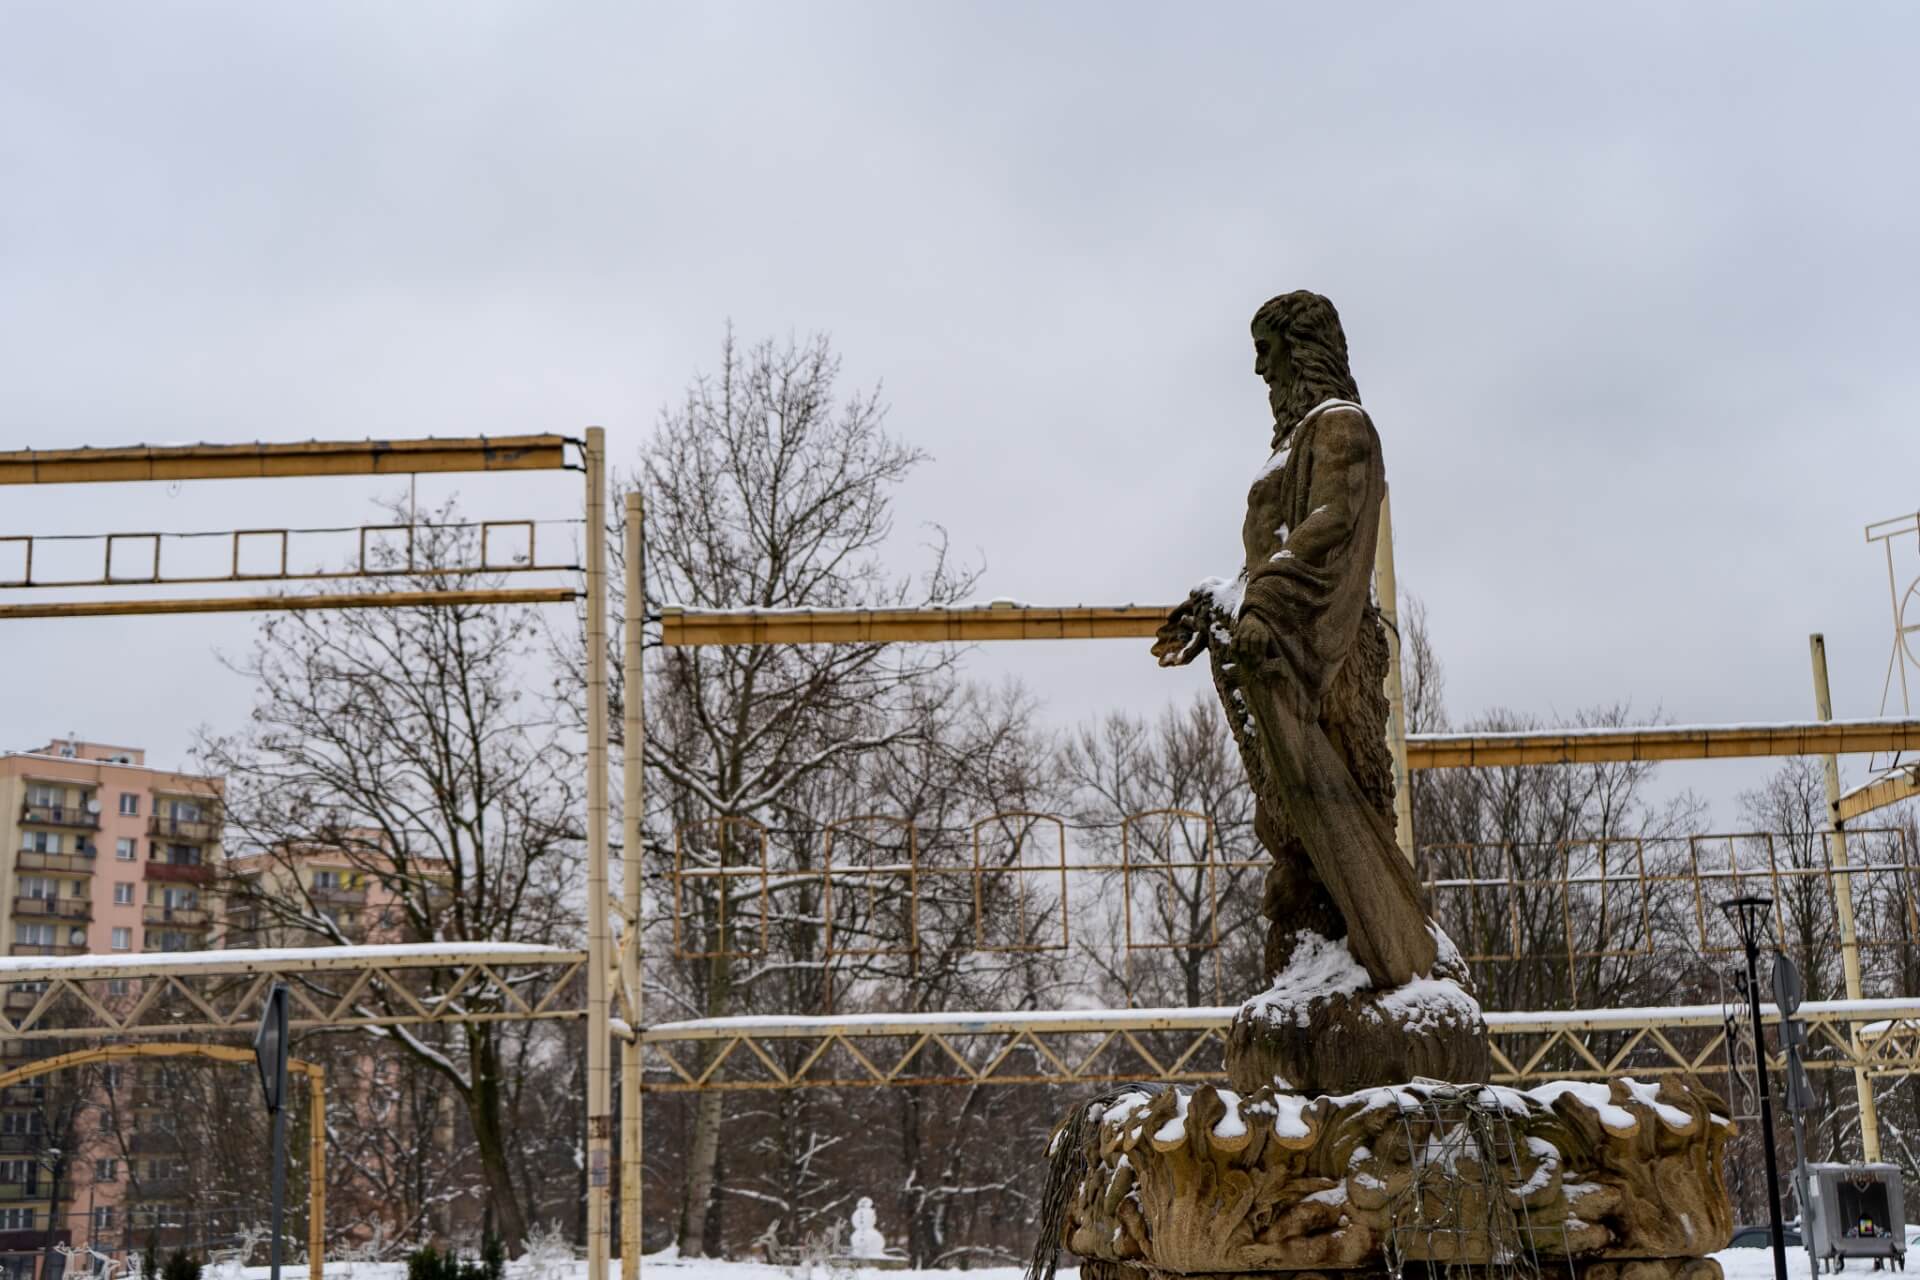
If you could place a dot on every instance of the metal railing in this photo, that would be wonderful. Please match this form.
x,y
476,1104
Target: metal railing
x,y
180,872
180,917
1575,915
77,909
59,815
68,863
192,830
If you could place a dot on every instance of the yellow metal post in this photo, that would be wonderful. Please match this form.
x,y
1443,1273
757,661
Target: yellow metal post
x,y
599,1032
316,1173
1385,588
1843,900
633,799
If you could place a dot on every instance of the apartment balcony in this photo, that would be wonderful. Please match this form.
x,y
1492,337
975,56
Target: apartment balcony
x,y
33,1239
22,1144
60,815
148,1189
19,1001
180,872
338,897
72,864
23,1095
178,917
47,949
154,1142
78,910
190,830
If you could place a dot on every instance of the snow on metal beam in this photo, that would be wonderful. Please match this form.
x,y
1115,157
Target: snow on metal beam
x,y
302,458
1661,742
253,960
1878,794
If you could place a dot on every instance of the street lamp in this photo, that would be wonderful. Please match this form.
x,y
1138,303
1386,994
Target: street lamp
x,y
1748,916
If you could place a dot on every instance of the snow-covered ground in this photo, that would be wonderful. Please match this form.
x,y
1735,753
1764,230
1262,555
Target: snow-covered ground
x,y
1740,1264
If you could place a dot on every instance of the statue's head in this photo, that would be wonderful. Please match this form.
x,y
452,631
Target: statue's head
x,y
1300,352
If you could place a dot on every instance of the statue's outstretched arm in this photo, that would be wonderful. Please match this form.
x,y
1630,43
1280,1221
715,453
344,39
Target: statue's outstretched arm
x,y
1182,637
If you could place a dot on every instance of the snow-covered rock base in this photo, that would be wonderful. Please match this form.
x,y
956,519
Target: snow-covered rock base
x,y
1622,1178
1321,1026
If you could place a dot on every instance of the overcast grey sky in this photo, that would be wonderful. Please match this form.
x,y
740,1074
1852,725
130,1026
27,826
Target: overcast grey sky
x,y
1629,289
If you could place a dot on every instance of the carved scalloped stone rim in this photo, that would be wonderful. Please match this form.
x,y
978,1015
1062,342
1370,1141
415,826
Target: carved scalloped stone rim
x,y
1210,1181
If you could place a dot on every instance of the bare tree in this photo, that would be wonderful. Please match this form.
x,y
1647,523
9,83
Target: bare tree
x,y
404,741
1188,923
767,488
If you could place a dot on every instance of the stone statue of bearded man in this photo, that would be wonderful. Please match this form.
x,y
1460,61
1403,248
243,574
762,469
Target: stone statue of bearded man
x,y
1299,656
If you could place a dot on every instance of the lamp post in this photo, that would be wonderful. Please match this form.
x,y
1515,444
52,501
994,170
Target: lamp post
x,y
1748,916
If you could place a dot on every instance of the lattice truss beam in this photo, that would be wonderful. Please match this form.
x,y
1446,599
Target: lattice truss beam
x,y
210,992
1184,1045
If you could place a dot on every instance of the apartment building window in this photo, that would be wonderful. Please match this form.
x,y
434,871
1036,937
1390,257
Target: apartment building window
x,y
106,1171
40,841
122,938
16,1219
123,848
130,804
103,1217
183,810
39,888
42,796
20,1122
326,879
118,987
33,934
123,893
16,1172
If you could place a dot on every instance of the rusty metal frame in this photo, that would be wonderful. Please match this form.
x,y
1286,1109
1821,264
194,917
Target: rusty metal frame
x,y
866,876
285,573
722,873
1019,873
1615,866
362,571
1210,865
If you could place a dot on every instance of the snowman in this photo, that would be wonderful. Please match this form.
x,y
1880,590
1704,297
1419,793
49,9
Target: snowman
x,y
866,1242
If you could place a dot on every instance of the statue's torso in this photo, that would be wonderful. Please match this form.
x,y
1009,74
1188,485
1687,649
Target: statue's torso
x,y
1265,529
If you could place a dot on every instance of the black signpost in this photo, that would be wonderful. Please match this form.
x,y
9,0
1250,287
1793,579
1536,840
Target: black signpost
x,y
270,1055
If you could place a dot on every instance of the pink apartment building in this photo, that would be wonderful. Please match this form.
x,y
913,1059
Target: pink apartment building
x,y
98,853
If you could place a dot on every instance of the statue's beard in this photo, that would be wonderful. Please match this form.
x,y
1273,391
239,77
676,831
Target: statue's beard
x,y
1293,403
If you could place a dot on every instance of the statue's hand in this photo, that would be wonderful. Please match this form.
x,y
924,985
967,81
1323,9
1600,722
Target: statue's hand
x,y
1180,639
1252,639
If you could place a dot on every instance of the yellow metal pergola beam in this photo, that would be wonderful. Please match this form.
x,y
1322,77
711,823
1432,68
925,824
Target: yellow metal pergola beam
x,y
1894,788
1661,742
683,627
307,458
687,627
290,604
